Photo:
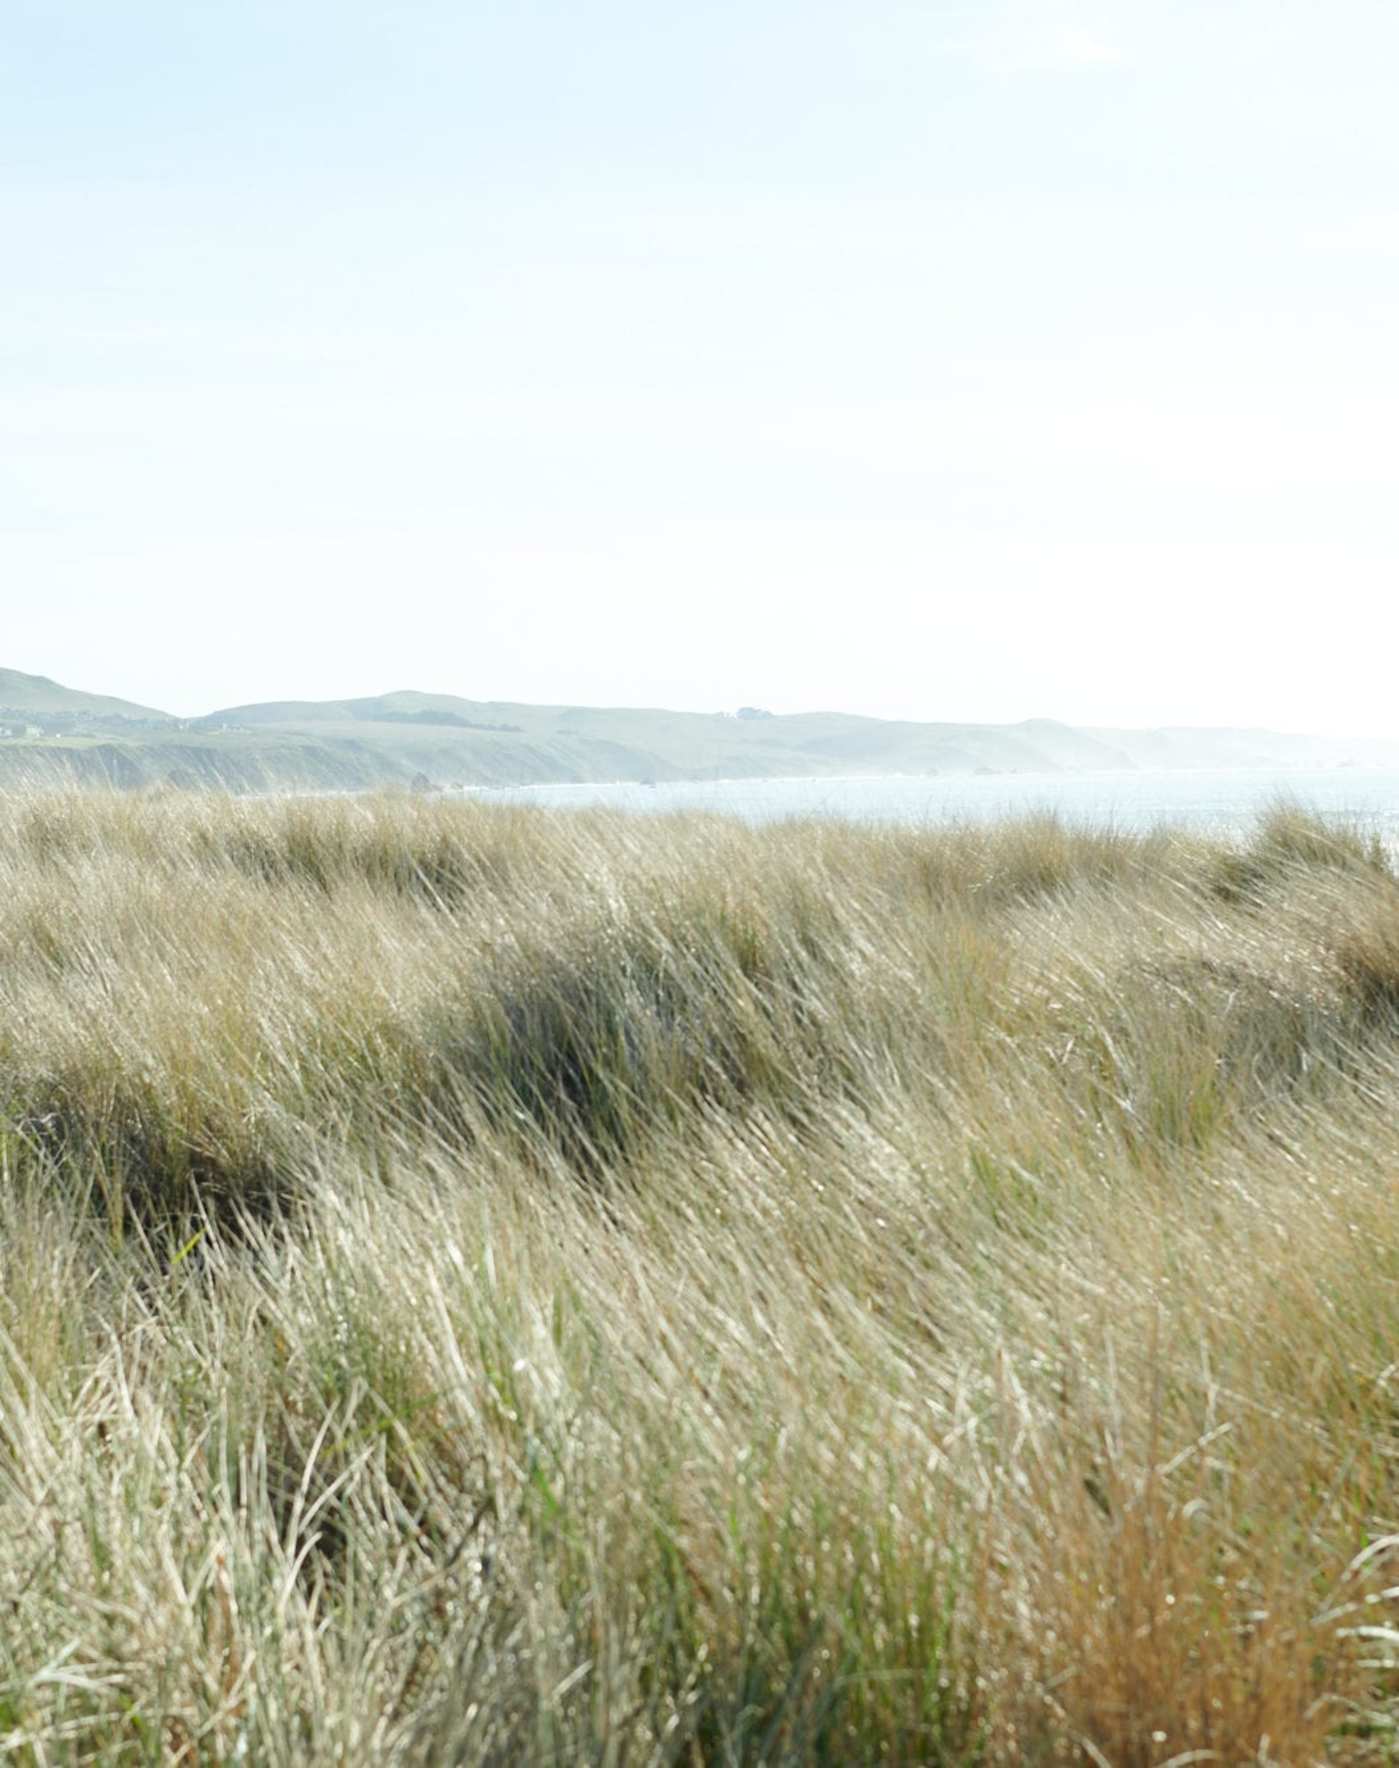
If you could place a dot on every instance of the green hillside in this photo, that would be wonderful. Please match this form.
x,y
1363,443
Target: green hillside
x,y
501,742
56,735
36,693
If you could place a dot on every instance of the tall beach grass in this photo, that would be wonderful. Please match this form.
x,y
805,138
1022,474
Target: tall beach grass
x,y
488,1285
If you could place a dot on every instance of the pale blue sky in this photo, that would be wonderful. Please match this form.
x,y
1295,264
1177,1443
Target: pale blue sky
x,y
977,360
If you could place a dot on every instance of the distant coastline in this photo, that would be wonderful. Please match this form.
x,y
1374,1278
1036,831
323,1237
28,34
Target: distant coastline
x,y
51,735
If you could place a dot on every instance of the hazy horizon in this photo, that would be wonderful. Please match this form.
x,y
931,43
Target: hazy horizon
x,y
973,362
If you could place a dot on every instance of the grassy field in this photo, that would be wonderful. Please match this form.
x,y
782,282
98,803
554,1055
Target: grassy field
x,y
489,1286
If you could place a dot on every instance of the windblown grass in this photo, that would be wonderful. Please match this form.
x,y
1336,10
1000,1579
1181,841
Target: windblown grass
x,y
488,1286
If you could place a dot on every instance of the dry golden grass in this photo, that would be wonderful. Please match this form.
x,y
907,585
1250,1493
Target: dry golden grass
x,y
489,1286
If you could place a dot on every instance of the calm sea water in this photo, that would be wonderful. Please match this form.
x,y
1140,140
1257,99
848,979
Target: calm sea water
x,y
1226,801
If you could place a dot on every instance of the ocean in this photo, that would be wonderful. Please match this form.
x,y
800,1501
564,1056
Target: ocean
x,y
1225,801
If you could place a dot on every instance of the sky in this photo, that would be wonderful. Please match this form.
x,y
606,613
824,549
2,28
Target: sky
x,y
980,360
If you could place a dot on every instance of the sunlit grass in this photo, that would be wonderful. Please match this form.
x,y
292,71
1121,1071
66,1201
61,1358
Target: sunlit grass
x,y
490,1285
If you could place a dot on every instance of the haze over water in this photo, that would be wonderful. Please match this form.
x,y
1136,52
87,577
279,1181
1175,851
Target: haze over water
x,y
1223,801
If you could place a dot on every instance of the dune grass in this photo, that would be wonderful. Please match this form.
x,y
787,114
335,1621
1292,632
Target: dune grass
x,y
483,1285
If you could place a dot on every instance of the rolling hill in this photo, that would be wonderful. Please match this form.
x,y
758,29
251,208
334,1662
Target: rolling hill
x,y
406,738
36,693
